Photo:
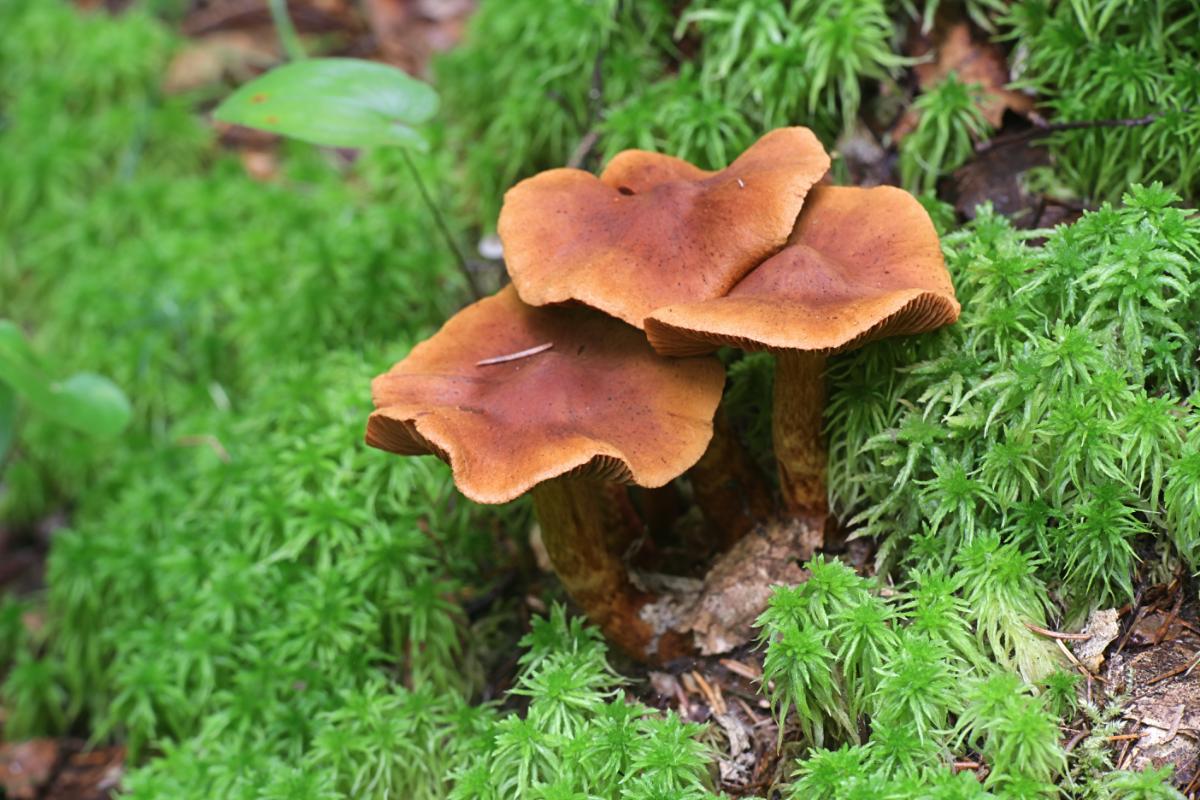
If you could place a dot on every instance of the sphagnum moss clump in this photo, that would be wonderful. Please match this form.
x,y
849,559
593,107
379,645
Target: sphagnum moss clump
x,y
1136,74
1055,415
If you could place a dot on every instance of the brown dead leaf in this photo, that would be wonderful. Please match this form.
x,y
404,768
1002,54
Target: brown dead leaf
x,y
409,32
736,768
25,767
1165,709
1155,627
738,586
720,610
996,176
261,165
236,55
89,775
974,61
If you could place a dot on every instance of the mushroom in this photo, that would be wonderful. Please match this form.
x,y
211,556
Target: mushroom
x,y
654,230
562,403
861,265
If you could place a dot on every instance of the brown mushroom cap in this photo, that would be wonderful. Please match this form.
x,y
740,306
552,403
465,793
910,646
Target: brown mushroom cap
x,y
654,230
599,402
861,265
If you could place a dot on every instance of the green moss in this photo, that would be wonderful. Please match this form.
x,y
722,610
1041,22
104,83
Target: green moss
x,y
239,567
1054,413
258,606
1094,60
950,123
184,285
701,86
842,660
581,737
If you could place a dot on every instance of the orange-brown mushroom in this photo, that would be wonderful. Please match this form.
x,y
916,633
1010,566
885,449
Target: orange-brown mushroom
x,y
654,230
560,402
861,265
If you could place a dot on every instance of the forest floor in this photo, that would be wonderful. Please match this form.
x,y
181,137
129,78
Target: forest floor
x,y
1145,652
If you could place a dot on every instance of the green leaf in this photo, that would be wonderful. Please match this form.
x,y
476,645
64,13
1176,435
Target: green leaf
x,y
85,402
91,404
336,102
8,420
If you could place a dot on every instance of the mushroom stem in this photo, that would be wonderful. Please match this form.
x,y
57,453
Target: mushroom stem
x,y
661,508
728,487
586,531
796,428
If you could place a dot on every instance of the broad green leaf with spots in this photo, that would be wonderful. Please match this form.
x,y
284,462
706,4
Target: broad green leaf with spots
x,y
336,102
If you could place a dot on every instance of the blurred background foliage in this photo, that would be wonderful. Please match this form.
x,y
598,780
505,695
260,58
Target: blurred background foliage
x,y
705,83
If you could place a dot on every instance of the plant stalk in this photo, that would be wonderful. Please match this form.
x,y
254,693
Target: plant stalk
x,y
440,220
288,38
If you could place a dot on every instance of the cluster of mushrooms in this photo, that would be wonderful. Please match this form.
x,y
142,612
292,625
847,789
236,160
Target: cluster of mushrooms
x,y
593,370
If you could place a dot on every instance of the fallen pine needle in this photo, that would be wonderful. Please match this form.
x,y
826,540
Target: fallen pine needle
x,y
1170,618
711,694
533,351
1076,739
1056,635
1187,792
738,668
1177,671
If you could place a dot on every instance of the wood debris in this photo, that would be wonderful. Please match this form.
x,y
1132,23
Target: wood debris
x,y
1162,684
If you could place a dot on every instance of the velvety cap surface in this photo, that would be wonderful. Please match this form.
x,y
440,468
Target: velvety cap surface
x,y
653,230
862,264
598,401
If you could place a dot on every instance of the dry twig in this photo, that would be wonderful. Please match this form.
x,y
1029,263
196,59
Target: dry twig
x,y
1042,128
